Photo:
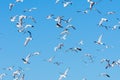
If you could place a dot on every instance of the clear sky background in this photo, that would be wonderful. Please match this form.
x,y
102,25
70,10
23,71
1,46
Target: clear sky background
x,y
45,38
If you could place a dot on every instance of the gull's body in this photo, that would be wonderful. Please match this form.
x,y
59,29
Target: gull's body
x,y
111,12
13,19
51,59
19,0
105,74
28,39
115,27
29,10
16,73
26,60
11,6
90,57
32,18
59,46
75,49
99,41
36,53
102,20
57,1
65,4
64,74
70,26
50,16
2,75
9,68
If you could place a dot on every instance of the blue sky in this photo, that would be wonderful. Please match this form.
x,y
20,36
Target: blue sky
x,y
45,37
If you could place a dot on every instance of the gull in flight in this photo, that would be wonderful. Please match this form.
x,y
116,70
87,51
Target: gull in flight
x,y
101,22
22,77
19,0
16,73
59,46
36,53
108,63
58,63
99,41
81,42
13,19
90,57
64,74
50,16
66,3
2,75
50,59
26,60
111,12
70,26
22,29
76,49
105,74
92,3
115,27
64,34
57,1
29,38
9,68
11,6
29,10
59,20
32,18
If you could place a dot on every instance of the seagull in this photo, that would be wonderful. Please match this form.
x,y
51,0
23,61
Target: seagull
x,y
99,41
2,75
66,3
90,57
9,68
32,18
115,27
19,0
108,63
29,10
29,38
70,26
13,19
92,3
22,77
76,49
68,20
26,60
102,20
16,73
11,6
58,20
111,12
57,1
58,63
51,59
84,12
59,46
50,16
105,74
36,53
81,42
22,29
64,74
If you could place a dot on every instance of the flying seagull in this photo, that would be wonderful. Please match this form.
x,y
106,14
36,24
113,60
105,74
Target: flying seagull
x,y
64,74
26,60
99,41
11,6
59,46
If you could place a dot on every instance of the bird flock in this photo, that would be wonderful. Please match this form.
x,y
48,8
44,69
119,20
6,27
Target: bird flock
x,y
25,24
